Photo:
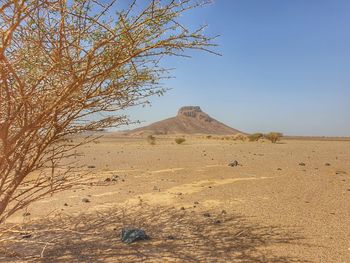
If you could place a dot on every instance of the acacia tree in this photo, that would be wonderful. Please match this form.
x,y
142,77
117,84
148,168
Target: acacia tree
x,y
62,64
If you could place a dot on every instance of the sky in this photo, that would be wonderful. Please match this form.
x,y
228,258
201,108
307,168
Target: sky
x,y
285,67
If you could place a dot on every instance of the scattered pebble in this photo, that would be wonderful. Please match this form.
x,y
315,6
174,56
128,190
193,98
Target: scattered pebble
x,y
26,235
85,200
115,178
206,215
327,164
91,166
340,172
233,163
302,164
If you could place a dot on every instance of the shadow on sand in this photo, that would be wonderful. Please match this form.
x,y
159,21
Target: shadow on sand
x,y
176,236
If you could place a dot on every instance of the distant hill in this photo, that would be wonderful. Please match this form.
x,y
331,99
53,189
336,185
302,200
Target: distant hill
x,y
189,120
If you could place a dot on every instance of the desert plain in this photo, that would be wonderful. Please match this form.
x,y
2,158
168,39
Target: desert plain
x,y
284,202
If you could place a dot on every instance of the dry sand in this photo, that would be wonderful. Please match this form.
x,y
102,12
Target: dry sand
x,y
194,206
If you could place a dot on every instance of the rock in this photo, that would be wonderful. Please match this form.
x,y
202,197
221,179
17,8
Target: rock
x,y
130,235
115,178
279,169
182,208
91,166
85,200
340,172
65,204
155,188
26,235
233,163
107,179
171,237
26,214
223,212
302,164
327,164
216,222
206,215
196,203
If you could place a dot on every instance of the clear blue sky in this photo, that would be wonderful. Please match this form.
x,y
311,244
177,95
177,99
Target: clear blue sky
x,y
285,67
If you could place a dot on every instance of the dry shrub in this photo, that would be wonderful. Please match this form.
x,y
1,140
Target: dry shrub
x,y
151,139
274,136
73,67
240,137
180,140
255,137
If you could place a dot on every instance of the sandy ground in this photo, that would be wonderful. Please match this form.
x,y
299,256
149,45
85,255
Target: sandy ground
x,y
194,206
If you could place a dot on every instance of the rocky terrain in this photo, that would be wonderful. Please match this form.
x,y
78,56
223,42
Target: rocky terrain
x,y
202,201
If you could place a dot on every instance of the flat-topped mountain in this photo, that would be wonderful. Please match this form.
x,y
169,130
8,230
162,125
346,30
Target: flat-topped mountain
x,y
189,120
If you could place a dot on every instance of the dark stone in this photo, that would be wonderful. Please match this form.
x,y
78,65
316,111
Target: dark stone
x,y
340,172
65,204
216,222
85,200
26,214
130,235
26,235
91,166
182,208
206,215
302,164
107,179
279,169
171,237
233,163
327,164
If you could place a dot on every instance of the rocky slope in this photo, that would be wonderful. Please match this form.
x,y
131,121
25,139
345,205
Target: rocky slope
x,y
189,120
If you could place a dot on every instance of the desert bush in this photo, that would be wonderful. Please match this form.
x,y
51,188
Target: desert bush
x,y
240,137
63,65
273,136
180,140
151,139
255,137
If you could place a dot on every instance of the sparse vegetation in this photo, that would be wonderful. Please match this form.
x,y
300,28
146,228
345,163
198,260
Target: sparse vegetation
x,y
151,139
240,137
63,65
273,136
255,137
180,140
